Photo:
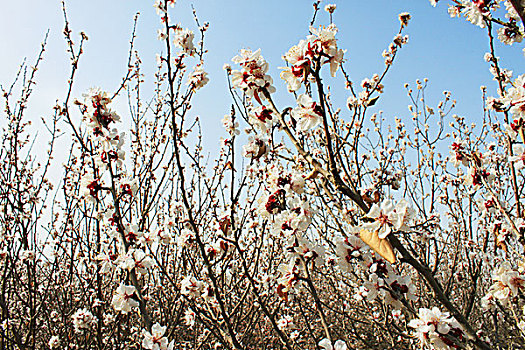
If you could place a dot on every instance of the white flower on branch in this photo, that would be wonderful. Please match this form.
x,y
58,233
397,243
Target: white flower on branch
x,y
308,113
262,118
330,8
508,36
90,187
515,98
327,345
185,238
125,298
106,262
289,277
436,329
475,177
135,259
98,115
54,342
155,340
183,38
458,153
511,11
189,317
83,319
299,67
252,79
198,78
387,217
301,247
507,284
231,126
350,250
191,287
255,148
474,13
322,43
285,322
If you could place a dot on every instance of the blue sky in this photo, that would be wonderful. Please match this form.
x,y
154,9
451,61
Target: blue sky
x,y
447,51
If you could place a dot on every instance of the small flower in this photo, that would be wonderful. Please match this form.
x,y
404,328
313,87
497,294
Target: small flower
x,y
474,13
308,114
83,319
299,65
28,255
386,216
192,287
156,339
161,35
326,345
159,7
515,98
54,342
349,250
183,38
262,118
252,78
231,126
105,261
198,78
288,280
475,177
90,187
434,327
97,113
186,238
454,11
255,148
300,246
330,8
285,322
125,299
135,259
507,283
189,317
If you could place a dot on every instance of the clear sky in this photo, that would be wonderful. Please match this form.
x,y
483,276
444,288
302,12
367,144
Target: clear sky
x,y
447,51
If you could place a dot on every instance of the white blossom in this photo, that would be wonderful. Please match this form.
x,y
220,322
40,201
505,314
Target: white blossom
x,y
125,298
155,340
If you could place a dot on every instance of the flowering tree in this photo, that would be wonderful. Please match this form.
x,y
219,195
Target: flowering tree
x,y
324,227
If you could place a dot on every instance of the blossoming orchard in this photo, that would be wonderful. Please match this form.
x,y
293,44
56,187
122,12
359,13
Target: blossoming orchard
x,y
317,225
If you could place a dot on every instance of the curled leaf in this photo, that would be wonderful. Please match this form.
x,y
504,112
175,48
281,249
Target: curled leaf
x,y
380,245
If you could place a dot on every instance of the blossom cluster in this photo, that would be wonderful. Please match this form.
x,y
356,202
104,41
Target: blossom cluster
x,y
507,284
386,217
319,48
155,340
252,78
312,235
436,329
479,12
